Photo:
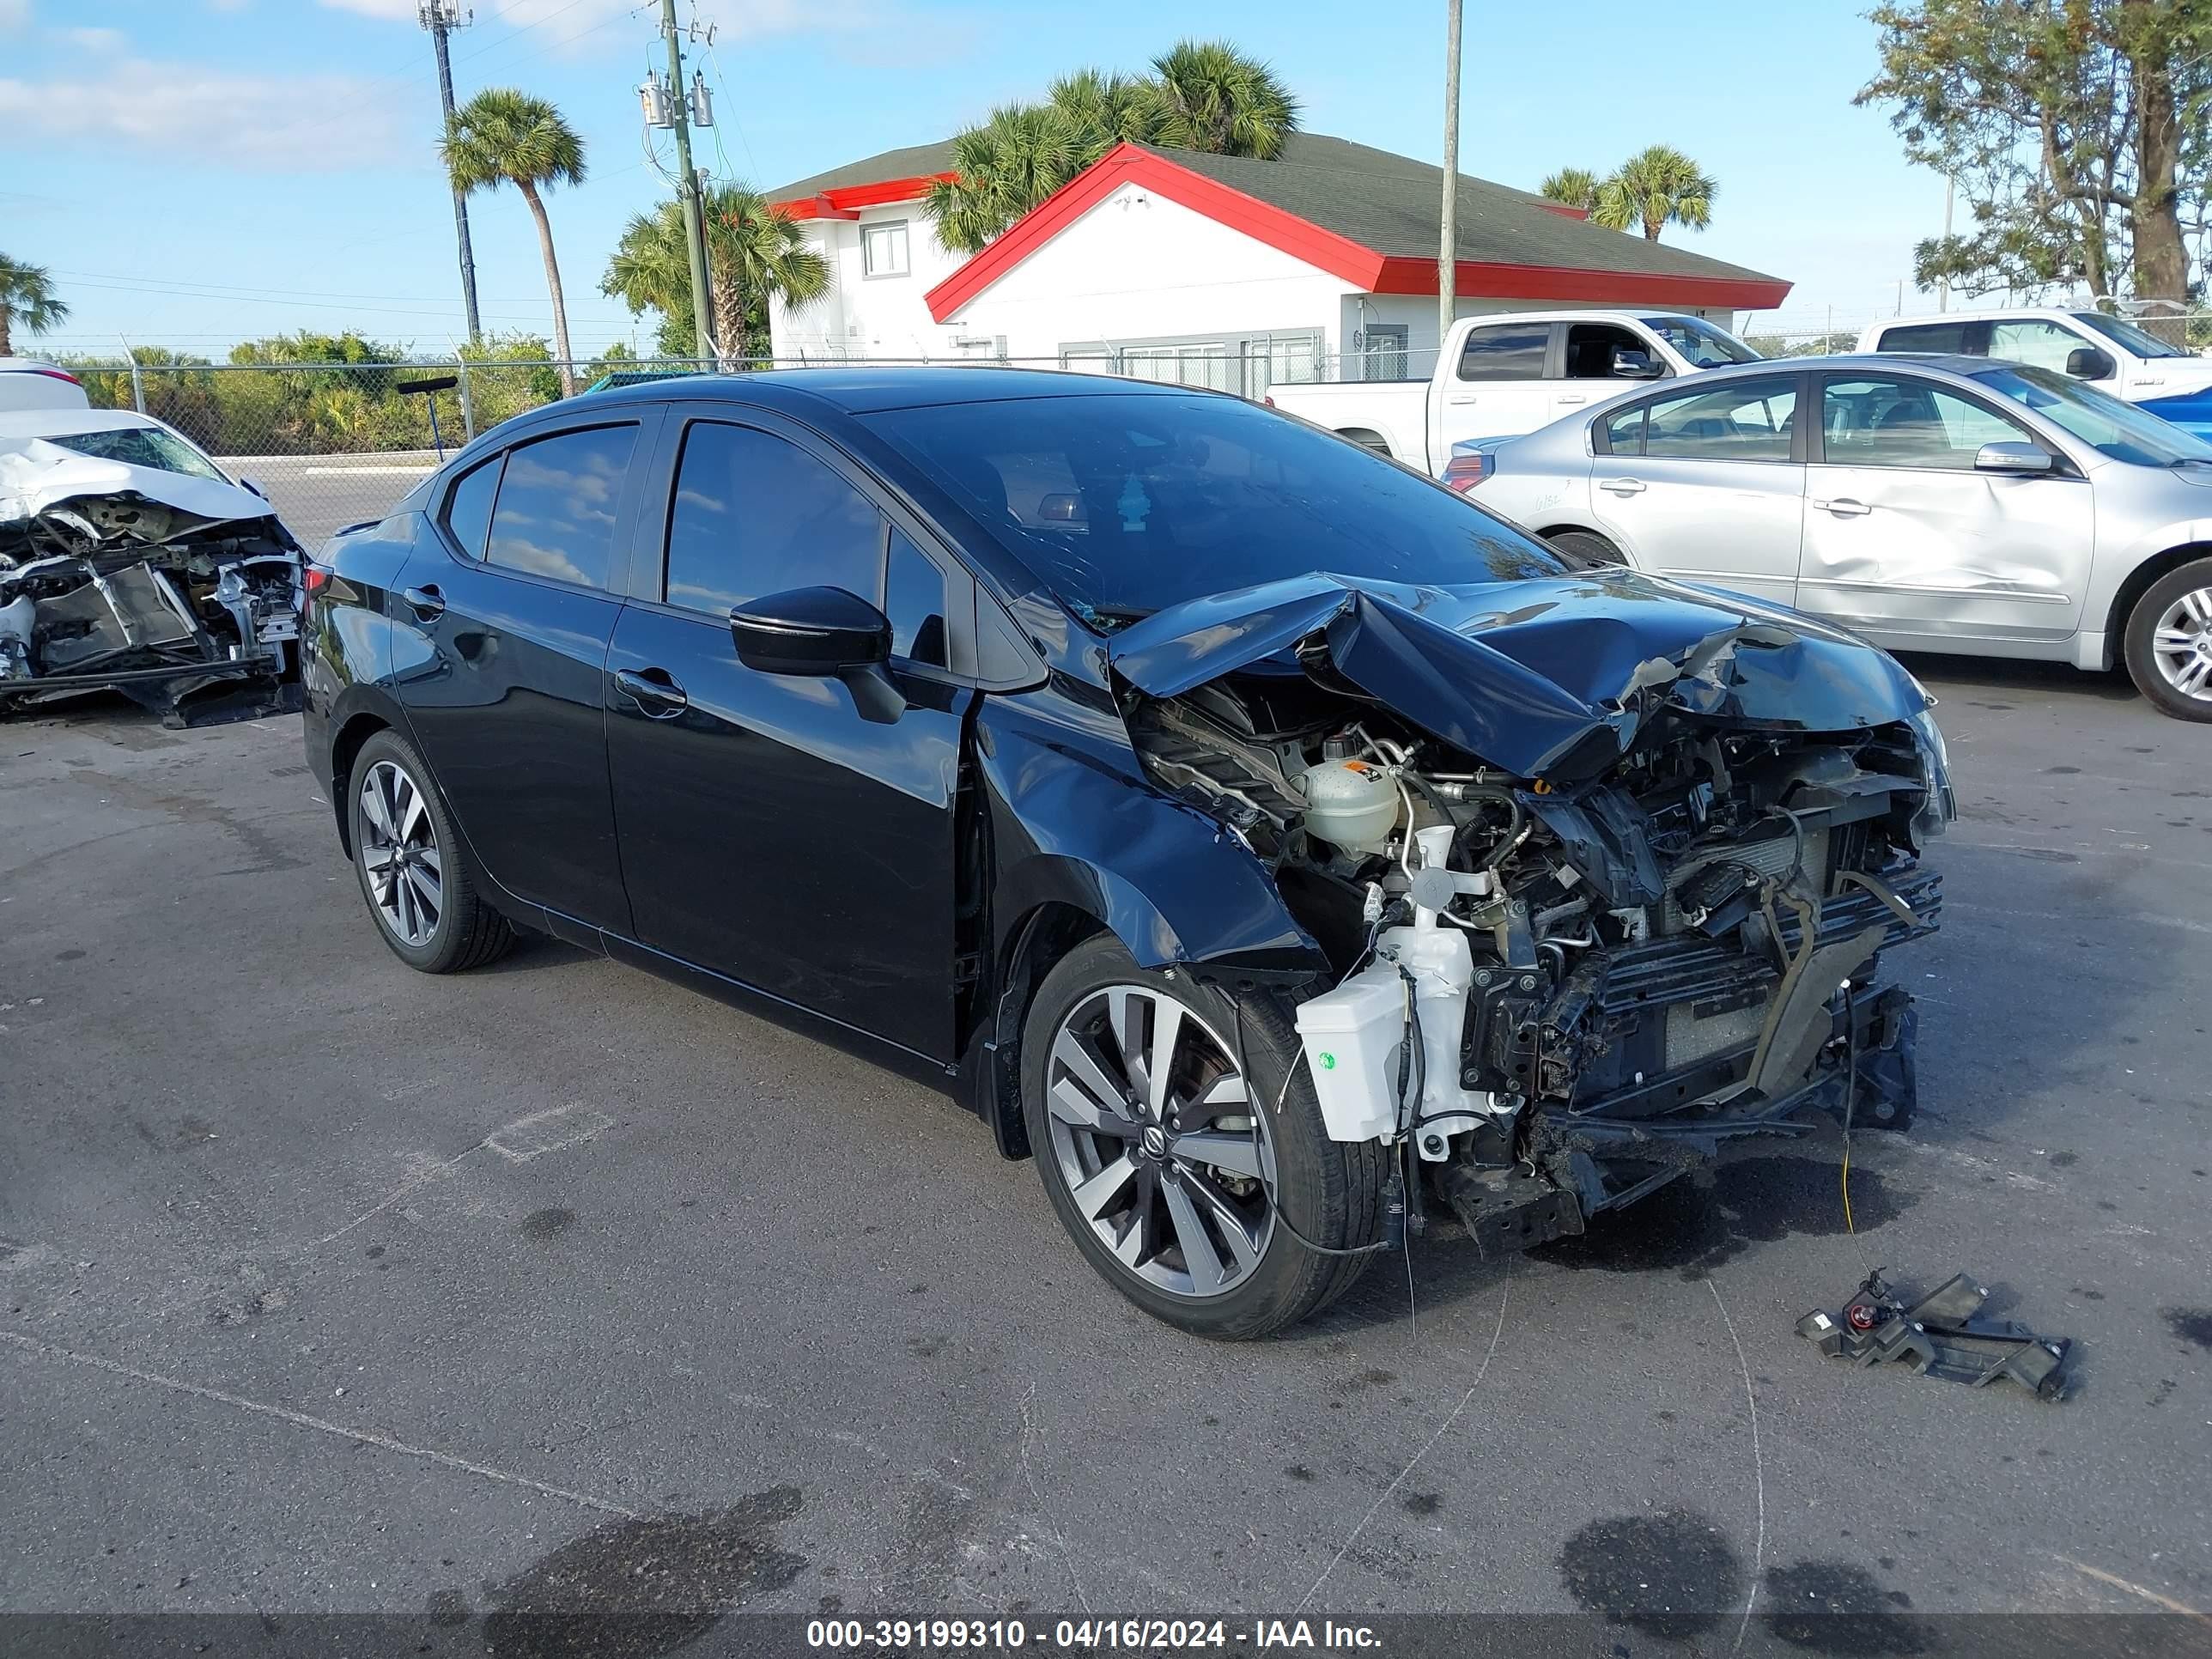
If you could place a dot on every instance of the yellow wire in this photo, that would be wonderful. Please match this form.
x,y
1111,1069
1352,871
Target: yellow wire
x,y
1848,1228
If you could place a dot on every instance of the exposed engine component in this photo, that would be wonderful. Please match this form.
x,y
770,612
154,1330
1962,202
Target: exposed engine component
x,y
1564,993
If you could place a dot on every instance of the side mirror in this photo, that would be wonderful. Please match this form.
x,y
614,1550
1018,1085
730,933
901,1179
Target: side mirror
x,y
2088,363
2012,458
822,632
1631,365
252,485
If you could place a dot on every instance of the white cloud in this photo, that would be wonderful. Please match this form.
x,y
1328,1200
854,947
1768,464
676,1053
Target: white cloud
x,y
92,39
278,123
14,15
579,28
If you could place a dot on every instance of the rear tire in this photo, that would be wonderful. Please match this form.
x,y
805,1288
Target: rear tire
x,y
1585,548
2168,642
1225,1063
416,876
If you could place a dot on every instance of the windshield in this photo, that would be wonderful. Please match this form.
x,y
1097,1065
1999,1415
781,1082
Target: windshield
x,y
142,445
2112,427
2127,334
1701,344
1126,504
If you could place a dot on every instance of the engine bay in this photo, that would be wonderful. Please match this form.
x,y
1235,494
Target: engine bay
x,y
1558,995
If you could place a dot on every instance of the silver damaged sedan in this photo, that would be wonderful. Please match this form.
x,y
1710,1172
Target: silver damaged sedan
x,y
1930,503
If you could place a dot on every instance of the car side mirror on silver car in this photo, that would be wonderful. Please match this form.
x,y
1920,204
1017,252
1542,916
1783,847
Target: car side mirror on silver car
x,y
1632,365
2012,457
2088,363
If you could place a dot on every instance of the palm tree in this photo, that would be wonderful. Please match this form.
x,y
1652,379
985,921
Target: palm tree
x,y
26,300
505,136
1574,187
752,252
1656,187
1210,96
1005,167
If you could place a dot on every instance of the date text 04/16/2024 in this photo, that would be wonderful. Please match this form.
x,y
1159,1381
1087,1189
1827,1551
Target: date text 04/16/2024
x,y
1088,1634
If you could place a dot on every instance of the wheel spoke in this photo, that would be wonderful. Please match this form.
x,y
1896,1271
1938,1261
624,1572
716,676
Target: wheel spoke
x,y
1159,1064
2197,602
372,808
1239,1154
1199,1258
2191,675
1125,1011
2174,639
428,855
426,893
412,812
1226,1090
410,923
1234,1227
1095,1195
1136,1242
1072,1105
1087,1078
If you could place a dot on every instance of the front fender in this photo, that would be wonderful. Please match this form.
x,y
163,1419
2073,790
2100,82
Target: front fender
x,y
2109,573
1075,821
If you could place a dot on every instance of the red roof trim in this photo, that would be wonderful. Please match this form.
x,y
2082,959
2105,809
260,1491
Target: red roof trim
x,y
1339,256
840,203
1402,275
1128,164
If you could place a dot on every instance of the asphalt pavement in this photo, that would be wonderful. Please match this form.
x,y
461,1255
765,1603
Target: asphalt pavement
x,y
332,1287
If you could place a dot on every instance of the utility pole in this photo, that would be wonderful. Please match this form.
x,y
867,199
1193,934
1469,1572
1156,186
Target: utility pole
x,y
1943,283
672,101
442,18
1448,243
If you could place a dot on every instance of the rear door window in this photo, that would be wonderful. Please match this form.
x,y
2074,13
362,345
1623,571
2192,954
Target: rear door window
x,y
755,514
1743,421
1962,337
468,508
1509,351
556,513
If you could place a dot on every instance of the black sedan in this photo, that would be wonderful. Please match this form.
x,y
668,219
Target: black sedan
x,y
1266,839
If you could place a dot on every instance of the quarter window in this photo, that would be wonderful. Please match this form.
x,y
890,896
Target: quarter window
x,y
555,515
1743,421
914,599
1879,420
883,249
468,509
755,514
1513,351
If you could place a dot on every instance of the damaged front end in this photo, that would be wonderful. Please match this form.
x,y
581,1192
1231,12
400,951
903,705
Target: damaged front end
x,y
180,593
1606,865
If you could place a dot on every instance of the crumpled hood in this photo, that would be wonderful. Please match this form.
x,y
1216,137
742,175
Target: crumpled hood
x,y
1546,678
36,476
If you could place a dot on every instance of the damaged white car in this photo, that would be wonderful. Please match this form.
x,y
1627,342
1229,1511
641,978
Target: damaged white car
x,y
130,561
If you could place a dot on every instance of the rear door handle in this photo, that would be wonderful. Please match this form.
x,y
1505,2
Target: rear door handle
x,y
653,691
426,603
1621,486
1845,507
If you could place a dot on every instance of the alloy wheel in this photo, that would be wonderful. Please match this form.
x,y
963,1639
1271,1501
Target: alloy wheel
x,y
1155,1135
2181,644
399,855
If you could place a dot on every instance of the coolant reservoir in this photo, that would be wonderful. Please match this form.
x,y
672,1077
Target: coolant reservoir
x,y
1350,803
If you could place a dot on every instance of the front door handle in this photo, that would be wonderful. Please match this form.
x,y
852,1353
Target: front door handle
x,y
1845,507
427,602
1574,396
653,691
1621,486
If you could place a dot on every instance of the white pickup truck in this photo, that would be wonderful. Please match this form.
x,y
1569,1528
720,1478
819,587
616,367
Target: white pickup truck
x,y
1502,375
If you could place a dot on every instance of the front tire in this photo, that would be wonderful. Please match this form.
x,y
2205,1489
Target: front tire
x,y
416,876
1152,1101
2169,643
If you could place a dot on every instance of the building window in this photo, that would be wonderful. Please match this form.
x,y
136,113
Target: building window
x,y
883,249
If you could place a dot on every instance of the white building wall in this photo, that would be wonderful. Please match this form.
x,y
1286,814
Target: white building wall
x,y
1137,268
865,316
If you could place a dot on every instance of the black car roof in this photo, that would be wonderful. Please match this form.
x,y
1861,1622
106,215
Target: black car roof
x,y
859,389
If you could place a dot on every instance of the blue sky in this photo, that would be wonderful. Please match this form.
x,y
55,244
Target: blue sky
x,y
195,172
